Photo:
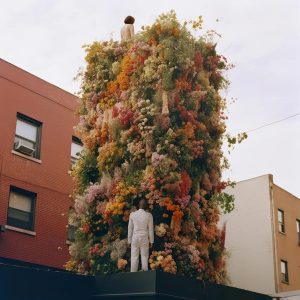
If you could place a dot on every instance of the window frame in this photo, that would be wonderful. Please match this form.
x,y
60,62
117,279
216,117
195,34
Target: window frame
x,y
37,143
298,230
284,276
71,231
281,224
77,141
18,223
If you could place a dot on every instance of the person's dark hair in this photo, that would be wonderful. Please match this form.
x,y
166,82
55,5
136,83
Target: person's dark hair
x,y
129,20
143,204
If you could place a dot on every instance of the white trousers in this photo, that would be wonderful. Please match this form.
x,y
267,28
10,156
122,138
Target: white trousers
x,y
139,244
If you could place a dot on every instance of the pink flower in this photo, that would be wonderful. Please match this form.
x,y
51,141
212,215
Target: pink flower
x,y
93,192
183,201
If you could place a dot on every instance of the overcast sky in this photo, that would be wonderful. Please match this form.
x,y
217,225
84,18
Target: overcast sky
x,y
261,37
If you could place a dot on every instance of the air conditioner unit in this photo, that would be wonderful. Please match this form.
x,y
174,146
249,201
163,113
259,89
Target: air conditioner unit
x,y
2,228
20,146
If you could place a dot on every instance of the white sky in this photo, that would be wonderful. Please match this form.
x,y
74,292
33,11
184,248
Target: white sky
x,y
261,37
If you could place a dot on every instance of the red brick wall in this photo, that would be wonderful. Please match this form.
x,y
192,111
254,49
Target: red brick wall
x,y
31,96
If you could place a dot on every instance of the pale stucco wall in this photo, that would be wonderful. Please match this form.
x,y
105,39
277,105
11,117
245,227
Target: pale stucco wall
x,y
249,236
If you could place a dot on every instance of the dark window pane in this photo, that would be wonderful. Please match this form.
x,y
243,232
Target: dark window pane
x,y
71,232
20,224
284,271
21,208
18,214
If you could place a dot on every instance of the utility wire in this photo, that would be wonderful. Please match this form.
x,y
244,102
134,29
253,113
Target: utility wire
x,y
274,122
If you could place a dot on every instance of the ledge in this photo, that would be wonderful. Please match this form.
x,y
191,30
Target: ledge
x,y
283,233
29,232
26,156
160,285
34,283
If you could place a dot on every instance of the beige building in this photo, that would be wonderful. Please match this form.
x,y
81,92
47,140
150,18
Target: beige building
x,y
263,237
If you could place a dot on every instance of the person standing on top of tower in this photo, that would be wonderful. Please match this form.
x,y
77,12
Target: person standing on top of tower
x,y
127,31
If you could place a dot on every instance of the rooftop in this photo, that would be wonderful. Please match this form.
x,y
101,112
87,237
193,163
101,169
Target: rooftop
x,y
37,85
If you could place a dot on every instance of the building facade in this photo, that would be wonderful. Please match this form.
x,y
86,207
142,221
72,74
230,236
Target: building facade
x,y
36,149
263,237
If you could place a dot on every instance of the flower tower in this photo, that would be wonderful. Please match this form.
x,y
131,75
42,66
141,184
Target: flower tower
x,y
152,125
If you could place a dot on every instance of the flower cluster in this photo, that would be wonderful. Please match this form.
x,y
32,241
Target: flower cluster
x,y
119,206
161,229
152,124
159,260
122,263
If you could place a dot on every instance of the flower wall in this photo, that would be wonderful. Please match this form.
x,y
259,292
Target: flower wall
x,y
152,124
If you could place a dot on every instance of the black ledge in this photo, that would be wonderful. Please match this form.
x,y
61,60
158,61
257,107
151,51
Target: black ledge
x,y
161,285
21,282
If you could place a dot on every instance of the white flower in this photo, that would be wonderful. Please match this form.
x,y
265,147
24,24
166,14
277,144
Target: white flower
x,y
161,229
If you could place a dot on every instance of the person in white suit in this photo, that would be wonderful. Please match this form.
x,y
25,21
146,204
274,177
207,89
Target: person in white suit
x,y
140,234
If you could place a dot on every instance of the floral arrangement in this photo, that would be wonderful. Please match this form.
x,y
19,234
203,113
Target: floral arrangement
x,y
152,124
160,260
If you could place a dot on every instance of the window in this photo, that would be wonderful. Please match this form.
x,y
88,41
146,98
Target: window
x,y
21,208
298,230
71,232
284,271
76,148
281,221
28,136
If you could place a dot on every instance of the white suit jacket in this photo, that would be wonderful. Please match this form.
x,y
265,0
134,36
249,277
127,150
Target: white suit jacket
x,y
141,224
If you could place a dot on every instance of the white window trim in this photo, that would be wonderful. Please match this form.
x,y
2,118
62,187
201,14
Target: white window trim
x,y
26,156
29,232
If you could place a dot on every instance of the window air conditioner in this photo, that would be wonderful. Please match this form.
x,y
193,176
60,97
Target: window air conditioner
x,y
21,147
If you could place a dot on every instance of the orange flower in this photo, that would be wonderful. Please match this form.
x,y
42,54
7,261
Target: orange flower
x,y
183,85
122,263
158,29
126,70
112,87
177,215
176,222
175,31
103,134
189,130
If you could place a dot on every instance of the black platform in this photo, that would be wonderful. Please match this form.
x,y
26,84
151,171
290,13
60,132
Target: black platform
x,y
24,283
161,285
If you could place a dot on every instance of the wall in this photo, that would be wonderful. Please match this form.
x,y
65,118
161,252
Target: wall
x,y
23,92
249,236
287,244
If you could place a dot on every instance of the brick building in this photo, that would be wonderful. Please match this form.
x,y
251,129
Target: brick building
x,y
37,145
263,237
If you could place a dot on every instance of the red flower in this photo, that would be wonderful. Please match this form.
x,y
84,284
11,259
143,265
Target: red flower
x,y
86,228
198,59
186,183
